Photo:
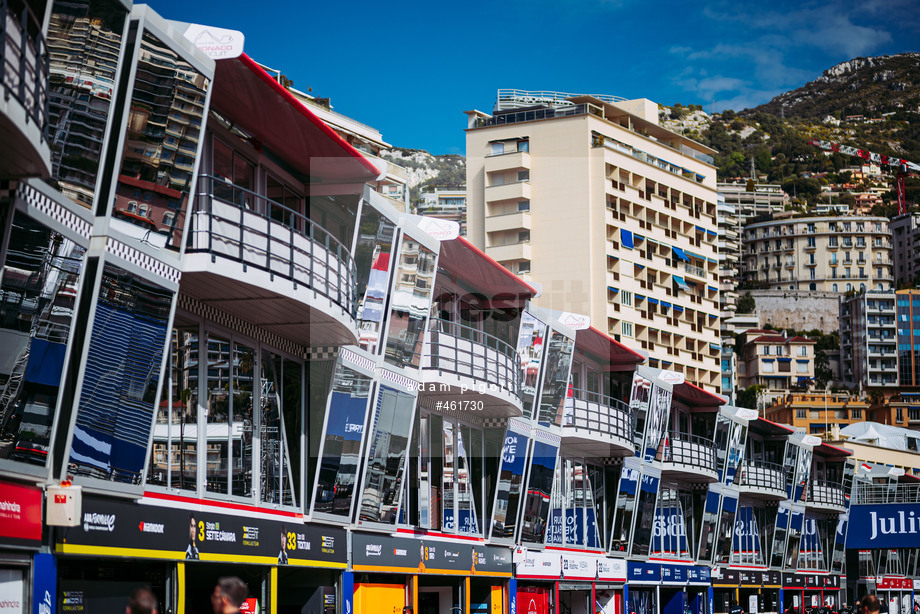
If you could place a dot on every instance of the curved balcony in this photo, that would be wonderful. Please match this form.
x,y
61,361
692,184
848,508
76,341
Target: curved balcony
x,y
688,457
824,495
462,364
762,480
269,265
597,425
24,103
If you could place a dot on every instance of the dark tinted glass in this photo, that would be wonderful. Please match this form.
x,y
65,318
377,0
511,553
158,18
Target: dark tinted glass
x,y
41,275
121,374
161,146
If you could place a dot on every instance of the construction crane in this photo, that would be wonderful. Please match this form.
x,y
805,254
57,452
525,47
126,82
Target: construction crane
x,y
903,166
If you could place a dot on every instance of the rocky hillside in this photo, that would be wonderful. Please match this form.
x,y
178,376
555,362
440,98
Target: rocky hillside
x,y
426,171
862,86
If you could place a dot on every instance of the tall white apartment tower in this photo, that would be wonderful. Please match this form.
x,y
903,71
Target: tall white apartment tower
x,y
614,215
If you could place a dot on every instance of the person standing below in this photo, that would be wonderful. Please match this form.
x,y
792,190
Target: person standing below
x,y
142,602
229,594
870,605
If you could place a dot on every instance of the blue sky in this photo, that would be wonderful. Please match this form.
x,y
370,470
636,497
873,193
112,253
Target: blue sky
x,y
411,68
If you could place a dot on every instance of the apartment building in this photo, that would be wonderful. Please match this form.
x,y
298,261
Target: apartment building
x,y
752,200
776,362
905,243
868,340
444,204
908,338
826,254
815,412
613,214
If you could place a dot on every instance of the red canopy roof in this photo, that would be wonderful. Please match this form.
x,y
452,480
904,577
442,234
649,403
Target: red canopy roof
x,y
607,350
826,449
251,99
468,265
694,396
768,427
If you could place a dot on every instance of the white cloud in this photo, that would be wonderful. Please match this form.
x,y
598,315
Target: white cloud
x,y
770,46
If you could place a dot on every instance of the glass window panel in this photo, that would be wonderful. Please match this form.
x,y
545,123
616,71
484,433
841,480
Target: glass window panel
x,y
510,483
292,417
539,489
556,378
372,261
645,515
594,495
174,456
341,453
409,303
708,526
638,405
122,371
556,533
218,414
780,532
625,509
530,351
161,143
467,518
41,276
84,42
276,480
244,365
726,530
447,478
386,460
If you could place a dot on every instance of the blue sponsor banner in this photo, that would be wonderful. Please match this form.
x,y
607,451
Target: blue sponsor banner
x,y
643,572
891,525
348,591
512,595
698,574
674,574
44,583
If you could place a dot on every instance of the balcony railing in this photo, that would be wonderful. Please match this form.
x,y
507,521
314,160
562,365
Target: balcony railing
x,y
761,474
24,61
694,270
689,450
466,351
246,227
826,493
598,413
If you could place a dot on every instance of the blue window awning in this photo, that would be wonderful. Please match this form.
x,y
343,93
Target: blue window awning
x,y
701,229
666,304
769,360
680,254
653,301
805,362
784,359
626,237
712,317
711,233
640,297
678,309
612,289
638,237
713,288
715,346
681,283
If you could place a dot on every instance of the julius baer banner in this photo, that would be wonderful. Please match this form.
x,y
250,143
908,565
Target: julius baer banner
x,y
123,528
